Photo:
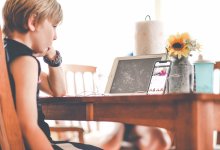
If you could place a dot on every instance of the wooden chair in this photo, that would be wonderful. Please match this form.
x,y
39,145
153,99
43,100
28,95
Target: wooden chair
x,y
10,132
217,67
82,83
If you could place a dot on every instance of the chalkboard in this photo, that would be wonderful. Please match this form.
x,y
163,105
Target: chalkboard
x,y
131,75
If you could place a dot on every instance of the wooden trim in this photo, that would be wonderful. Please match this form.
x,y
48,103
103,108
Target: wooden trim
x,y
217,65
3,135
78,68
89,111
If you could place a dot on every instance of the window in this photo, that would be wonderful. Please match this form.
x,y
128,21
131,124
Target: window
x,y
95,32
200,18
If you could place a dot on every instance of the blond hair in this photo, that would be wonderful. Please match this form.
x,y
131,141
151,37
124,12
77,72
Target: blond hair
x,y
17,12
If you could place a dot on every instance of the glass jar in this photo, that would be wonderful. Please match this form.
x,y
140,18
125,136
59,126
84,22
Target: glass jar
x,y
181,76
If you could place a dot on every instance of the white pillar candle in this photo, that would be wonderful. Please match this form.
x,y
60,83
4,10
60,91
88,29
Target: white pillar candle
x,y
149,38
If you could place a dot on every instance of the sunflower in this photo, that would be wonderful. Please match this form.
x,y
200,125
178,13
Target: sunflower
x,y
177,45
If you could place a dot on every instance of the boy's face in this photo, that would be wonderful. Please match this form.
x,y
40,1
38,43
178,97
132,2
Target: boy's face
x,y
43,37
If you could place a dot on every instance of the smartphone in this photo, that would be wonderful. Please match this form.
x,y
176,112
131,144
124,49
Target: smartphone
x,y
159,77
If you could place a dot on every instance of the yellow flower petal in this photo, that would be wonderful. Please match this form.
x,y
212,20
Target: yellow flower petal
x,y
177,45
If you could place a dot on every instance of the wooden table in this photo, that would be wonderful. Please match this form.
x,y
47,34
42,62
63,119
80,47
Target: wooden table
x,y
192,117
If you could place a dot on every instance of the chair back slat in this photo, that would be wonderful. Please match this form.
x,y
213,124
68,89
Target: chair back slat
x,y
81,70
10,132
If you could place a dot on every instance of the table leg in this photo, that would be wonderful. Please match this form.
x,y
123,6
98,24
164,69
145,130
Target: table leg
x,y
194,126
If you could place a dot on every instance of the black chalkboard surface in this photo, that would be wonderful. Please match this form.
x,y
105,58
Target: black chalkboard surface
x,y
131,74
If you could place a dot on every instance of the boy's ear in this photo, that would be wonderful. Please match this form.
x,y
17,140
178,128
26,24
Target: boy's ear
x,y
32,23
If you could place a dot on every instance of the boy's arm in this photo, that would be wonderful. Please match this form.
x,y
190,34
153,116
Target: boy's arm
x,y
53,83
26,79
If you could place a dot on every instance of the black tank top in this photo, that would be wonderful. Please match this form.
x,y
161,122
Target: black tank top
x,y
13,50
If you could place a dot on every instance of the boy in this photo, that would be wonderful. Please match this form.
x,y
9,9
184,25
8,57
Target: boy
x,y
29,29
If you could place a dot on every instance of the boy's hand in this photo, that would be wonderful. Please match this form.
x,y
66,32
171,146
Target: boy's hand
x,y
51,53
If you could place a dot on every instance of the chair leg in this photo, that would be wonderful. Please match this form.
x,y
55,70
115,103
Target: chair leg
x,y
81,139
218,137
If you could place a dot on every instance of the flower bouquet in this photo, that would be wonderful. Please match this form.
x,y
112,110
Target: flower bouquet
x,y
181,45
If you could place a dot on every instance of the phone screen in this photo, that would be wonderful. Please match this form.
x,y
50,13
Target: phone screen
x,y
159,77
